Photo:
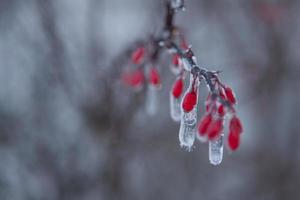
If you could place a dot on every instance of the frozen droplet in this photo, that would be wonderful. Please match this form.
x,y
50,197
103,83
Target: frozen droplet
x,y
151,100
216,150
188,129
187,135
175,108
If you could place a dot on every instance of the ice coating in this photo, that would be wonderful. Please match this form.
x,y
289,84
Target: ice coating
x,y
216,150
175,108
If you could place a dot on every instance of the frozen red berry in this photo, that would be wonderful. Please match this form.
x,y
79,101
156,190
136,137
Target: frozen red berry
x,y
235,125
233,141
137,78
230,95
189,101
137,56
177,88
215,129
204,124
154,77
134,79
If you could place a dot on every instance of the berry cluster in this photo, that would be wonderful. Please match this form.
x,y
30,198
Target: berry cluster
x,y
220,101
137,78
212,123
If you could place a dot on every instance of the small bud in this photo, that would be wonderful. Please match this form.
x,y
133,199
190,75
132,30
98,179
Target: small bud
x,y
137,56
233,141
177,88
189,101
154,77
230,95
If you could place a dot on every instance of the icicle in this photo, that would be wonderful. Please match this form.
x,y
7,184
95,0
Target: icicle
x,y
151,99
190,118
188,123
216,150
188,129
175,108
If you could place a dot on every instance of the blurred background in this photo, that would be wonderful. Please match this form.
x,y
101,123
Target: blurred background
x,y
70,130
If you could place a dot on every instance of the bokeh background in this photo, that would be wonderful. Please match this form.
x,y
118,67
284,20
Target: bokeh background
x,y
70,130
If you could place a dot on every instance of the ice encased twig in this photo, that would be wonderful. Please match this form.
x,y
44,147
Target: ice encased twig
x,y
216,150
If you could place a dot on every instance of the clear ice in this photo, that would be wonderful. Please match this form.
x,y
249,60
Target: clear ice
x,y
216,150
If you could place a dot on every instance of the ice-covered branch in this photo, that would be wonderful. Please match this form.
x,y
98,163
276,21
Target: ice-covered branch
x,y
183,105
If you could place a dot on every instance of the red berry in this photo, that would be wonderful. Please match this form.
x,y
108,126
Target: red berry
x,y
137,78
233,141
204,124
235,125
177,88
175,59
154,77
189,101
221,110
138,55
215,129
134,79
230,95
